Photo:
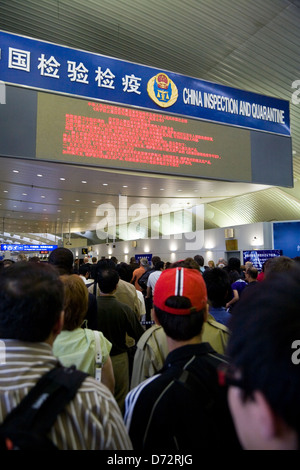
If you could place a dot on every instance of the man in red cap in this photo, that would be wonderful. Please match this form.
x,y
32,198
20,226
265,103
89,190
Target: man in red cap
x,y
182,407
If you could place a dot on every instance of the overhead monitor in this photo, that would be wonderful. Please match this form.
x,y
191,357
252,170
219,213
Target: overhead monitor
x,y
59,128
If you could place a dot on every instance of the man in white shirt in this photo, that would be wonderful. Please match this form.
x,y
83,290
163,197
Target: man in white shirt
x,y
153,277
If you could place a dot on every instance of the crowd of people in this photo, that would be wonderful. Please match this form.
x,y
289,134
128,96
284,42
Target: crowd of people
x,y
179,356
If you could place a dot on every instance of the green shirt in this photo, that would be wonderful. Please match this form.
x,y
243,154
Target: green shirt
x,y
77,348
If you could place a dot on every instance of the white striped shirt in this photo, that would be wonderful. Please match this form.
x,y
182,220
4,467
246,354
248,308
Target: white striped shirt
x,y
91,421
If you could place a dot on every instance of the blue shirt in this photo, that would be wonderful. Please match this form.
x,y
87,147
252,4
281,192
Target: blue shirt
x,y
220,314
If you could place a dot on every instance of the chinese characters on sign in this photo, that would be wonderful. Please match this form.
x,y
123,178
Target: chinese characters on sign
x,y
17,247
76,72
60,69
19,60
132,135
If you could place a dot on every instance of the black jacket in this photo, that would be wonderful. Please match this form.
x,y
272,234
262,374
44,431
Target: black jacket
x,y
176,410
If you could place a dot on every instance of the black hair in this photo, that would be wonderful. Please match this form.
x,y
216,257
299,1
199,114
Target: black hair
x,y
159,265
31,300
234,264
84,268
108,280
263,329
124,271
278,264
199,259
180,327
62,259
218,286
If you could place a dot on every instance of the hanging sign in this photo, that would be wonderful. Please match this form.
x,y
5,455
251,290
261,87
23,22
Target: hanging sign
x,y
46,66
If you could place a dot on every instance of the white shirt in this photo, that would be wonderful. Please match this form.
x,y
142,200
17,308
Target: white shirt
x,y
153,277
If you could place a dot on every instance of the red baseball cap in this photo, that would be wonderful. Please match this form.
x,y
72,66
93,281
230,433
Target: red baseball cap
x,y
185,282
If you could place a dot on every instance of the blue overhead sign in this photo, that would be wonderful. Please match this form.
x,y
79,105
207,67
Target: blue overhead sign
x,y
17,247
287,237
46,66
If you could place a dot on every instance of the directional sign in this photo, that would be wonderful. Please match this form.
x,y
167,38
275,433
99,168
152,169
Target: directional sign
x,y
17,247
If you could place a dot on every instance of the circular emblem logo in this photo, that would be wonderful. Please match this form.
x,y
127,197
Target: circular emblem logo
x,y
162,90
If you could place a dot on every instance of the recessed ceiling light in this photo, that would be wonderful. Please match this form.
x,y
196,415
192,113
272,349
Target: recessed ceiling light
x,y
77,200
5,191
84,182
24,194
43,197
62,179
144,188
161,189
39,175
15,171
125,186
104,184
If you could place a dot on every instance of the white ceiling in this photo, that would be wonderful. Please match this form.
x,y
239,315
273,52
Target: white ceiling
x,y
249,45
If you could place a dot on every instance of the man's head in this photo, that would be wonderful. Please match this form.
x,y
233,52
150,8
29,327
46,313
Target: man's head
x,y
180,302
159,266
31,301
62,259
144,263
108,280
278,264
265,374
155,259
199,259
251,274
218,286
234,264
85,270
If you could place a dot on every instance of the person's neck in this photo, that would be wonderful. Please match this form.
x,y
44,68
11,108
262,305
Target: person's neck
x,y
174,344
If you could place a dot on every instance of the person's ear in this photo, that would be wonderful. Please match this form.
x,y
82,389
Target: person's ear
x,y
265,416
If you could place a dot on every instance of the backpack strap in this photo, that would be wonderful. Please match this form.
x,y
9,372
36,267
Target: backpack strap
x,y
44,402
189,380
98,356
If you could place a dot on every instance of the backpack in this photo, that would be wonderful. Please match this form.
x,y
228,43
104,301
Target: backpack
x,y
27,425
142,281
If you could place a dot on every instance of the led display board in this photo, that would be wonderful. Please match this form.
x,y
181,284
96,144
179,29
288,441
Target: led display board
x,y
47,126
81,131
